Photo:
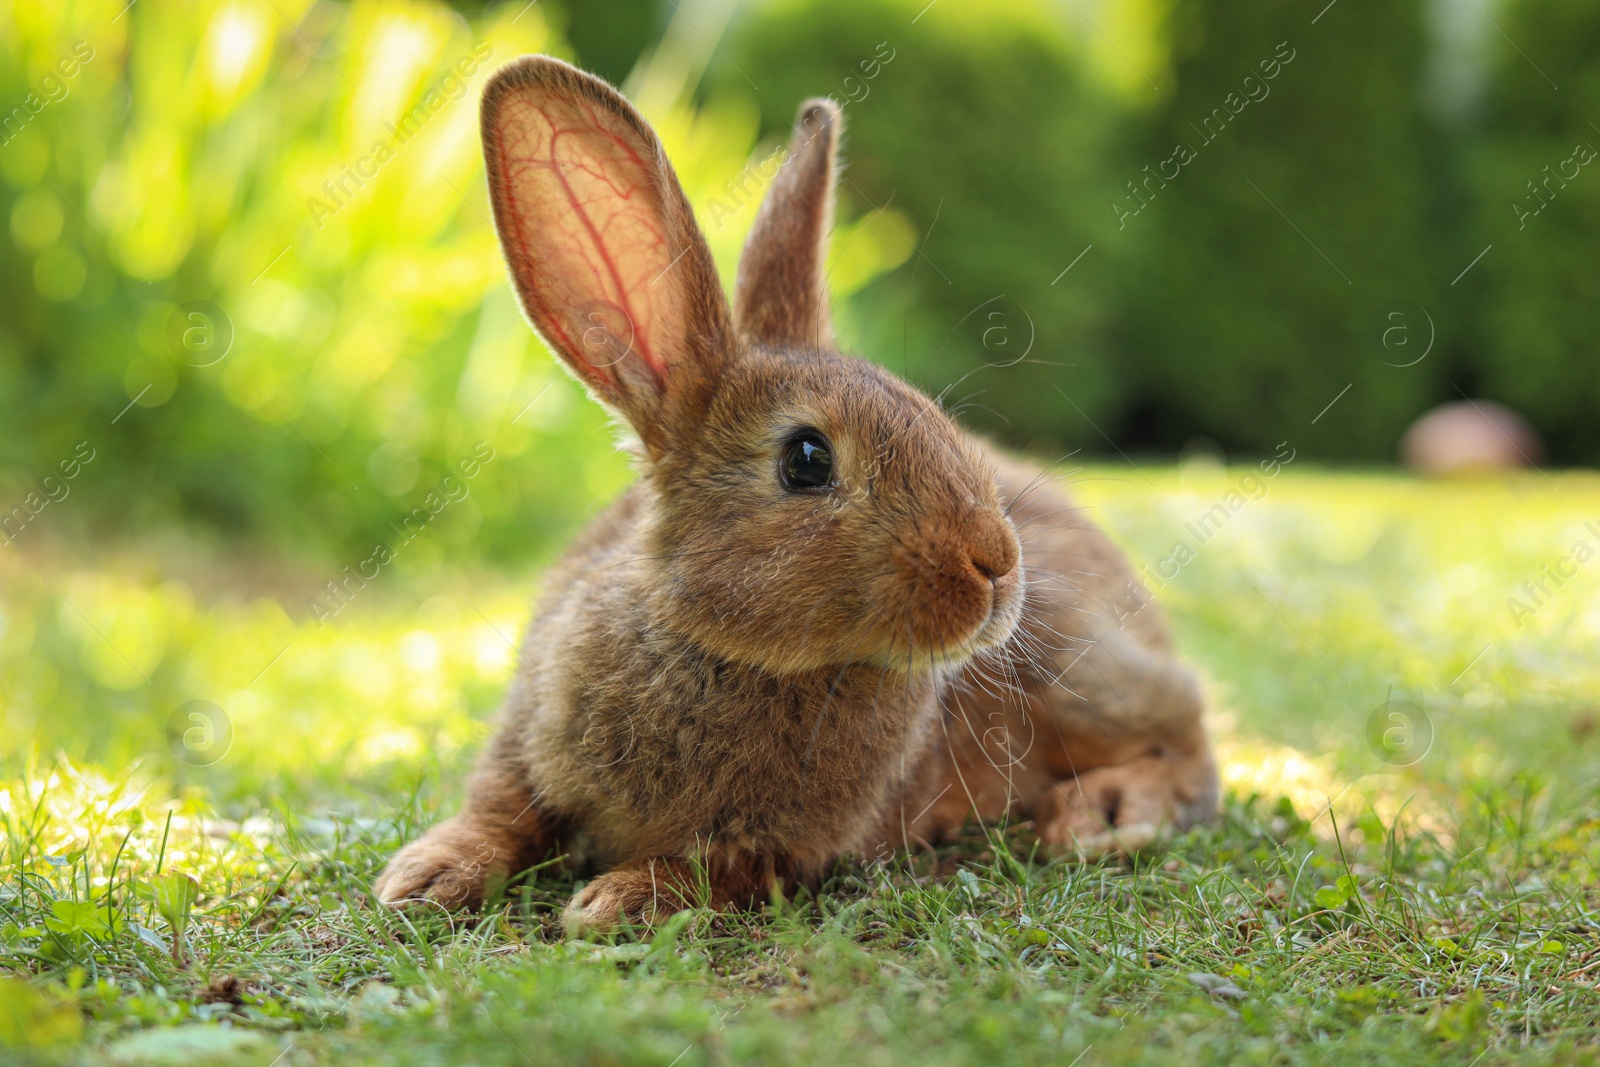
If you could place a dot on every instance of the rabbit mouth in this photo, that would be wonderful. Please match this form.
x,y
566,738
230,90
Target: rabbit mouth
x,y
994,631
993,634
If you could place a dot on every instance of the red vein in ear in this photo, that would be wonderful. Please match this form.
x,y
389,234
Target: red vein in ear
x,y
543,314
624,300
640,231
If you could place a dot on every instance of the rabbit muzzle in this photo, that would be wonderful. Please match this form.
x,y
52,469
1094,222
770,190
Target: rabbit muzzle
x,y
958,579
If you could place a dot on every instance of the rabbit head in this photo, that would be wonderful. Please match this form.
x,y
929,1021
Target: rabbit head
x,y
806,509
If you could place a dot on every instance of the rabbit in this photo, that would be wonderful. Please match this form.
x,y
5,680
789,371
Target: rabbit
x,y
825,621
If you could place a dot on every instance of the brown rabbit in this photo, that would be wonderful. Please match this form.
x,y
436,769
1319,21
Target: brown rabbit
x,y
825,621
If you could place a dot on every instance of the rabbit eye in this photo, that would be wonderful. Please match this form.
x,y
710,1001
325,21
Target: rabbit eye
x,y
807,462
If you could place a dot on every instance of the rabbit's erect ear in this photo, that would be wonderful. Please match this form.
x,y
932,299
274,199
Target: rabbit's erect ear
x,y
782,292
601,243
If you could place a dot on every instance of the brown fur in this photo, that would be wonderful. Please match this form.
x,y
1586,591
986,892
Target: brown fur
x,y
730,684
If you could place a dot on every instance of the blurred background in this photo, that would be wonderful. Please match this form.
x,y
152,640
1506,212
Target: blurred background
x,y
1257,210
252,310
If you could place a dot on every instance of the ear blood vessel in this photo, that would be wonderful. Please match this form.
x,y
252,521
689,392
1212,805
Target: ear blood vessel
x,y
732,681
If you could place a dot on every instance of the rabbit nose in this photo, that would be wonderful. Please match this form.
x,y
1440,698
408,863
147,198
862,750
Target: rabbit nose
x,y
983,564
994,556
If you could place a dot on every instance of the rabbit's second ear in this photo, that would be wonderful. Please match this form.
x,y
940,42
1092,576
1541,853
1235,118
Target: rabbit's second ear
x,y
782,291
781,295
601,243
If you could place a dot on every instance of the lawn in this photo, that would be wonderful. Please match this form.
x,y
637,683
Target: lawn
x,y
1404,872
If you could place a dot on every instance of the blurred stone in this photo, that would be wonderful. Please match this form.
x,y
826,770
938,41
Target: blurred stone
x,y
1470,437
1583,725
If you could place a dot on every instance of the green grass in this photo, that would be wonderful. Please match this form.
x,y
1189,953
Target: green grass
x,y
1357,903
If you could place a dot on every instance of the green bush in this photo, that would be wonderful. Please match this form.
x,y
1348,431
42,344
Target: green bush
x,y
1272,264
1536,292
304,180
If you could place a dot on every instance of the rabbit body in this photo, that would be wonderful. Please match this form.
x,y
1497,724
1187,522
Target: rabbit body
x,y
825,620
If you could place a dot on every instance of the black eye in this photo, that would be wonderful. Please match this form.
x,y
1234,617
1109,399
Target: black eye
x,y
807,462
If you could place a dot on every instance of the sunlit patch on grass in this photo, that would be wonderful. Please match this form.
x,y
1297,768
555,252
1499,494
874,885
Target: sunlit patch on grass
x,y
1254,767
1366,808
78,831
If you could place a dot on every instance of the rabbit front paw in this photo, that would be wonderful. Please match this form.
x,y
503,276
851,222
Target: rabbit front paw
x,y
637,894
454,866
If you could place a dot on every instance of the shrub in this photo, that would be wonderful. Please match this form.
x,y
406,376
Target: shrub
x,y
1536,292
1277,257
